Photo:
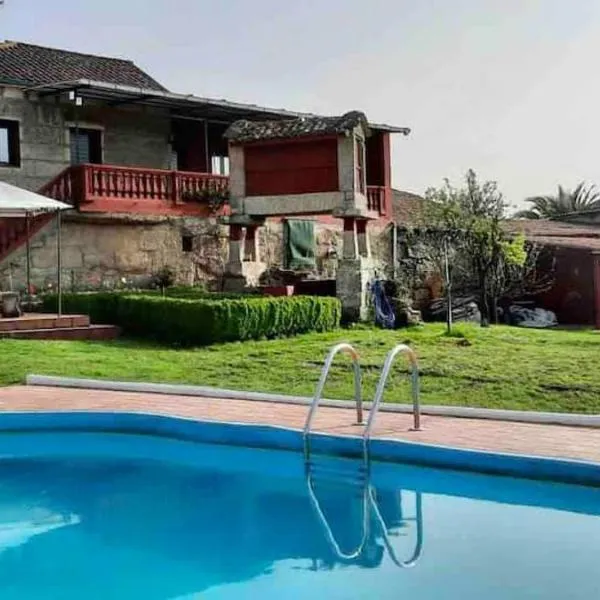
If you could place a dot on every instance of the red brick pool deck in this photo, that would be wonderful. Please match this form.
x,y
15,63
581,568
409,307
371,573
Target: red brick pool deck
x,y
580,443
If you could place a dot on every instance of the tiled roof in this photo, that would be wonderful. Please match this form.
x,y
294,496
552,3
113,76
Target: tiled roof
x,y
251,131
407,208
30,65
556,234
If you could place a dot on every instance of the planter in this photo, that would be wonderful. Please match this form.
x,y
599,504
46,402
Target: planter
x,y
10,306
277,290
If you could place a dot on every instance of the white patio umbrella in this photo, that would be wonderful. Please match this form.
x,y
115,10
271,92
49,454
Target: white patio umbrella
x,y
16,202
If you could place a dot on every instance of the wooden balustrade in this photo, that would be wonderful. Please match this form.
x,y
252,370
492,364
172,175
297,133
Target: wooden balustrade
x,y
111,188
376,198
80,184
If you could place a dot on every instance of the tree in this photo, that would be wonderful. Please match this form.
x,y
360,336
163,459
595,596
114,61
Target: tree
x,y
584,197
469,222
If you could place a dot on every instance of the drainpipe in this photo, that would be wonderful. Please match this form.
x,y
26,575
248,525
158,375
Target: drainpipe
x,y
394,250
59,261
206,152
28,255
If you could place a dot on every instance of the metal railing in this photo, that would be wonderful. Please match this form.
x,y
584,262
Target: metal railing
x,y
412,561
369,503
369,500
347,348
389,360
387,365
325,523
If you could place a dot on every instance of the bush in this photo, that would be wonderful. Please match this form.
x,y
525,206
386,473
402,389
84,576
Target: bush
x,y
205,320
102,307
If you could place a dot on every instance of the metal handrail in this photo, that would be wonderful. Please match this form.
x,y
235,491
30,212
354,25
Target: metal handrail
x,y
369,500
332,541
389,360
412,561
343,347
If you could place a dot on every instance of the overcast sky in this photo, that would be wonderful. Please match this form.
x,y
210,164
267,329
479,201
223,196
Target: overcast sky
x,y
510,88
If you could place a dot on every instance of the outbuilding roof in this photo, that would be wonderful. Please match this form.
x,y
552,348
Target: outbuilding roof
x,y
251,131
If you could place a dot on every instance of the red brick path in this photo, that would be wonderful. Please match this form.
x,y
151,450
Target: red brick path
x,y
520,438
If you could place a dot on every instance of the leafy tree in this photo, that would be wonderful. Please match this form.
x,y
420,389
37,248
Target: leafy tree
x,y
584,197
469,222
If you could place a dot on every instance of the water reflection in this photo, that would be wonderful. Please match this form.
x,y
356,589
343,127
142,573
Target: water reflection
x,y
375,517
175,531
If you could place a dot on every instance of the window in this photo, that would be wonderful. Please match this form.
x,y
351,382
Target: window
x,y
220,165
187,242
10,155
360,165
86,145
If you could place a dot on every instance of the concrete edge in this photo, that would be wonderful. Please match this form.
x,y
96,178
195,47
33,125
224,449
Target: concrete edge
x,y
284,438
546,418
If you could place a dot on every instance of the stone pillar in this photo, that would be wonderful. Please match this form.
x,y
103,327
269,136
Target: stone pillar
x,y
349,240
355,270
251,251
237,179
352,287
243,268
364,246
236,250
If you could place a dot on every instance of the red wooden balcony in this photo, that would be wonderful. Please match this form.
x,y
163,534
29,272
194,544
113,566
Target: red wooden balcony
x,y
379,200
108,188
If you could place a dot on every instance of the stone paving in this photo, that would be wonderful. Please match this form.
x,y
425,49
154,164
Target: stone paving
x,y
518,438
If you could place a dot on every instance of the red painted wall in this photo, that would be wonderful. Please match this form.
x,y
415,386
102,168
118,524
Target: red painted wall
x,y
572,296
379,167
292,167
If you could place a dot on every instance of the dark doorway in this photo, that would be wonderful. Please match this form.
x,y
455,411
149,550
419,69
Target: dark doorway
x,y
86,146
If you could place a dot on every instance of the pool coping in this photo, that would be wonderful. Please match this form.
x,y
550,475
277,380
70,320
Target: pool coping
x,y
546,418
286,438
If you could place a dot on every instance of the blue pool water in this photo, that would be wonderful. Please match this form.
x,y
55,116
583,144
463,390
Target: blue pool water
x,y
110,516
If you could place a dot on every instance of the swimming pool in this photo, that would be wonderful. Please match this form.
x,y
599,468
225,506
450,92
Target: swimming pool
x,y
95,507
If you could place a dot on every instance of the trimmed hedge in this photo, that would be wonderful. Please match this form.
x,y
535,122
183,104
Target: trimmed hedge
x,y
205,321
102,307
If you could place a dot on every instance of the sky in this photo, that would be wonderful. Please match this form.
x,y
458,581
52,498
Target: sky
x,y
510,88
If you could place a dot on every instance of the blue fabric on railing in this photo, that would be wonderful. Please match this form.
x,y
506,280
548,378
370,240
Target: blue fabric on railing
x,y
384,313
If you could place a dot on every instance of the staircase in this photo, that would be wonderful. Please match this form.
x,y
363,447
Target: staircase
x,y
53,327
13,232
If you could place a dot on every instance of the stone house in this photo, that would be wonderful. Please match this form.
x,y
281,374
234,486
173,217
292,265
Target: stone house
x,y
147,172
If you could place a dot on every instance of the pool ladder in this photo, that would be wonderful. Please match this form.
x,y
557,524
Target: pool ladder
x,y
368,427
369,507
369,500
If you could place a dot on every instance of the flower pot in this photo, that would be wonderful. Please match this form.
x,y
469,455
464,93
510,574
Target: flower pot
x,y
10,305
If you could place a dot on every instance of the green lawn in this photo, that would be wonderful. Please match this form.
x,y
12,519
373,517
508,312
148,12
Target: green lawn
x,y
499,367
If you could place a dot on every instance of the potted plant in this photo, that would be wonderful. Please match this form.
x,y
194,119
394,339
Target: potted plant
x,y
11,306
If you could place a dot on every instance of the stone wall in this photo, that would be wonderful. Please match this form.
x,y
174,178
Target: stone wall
x,y
109,251
131,136
102,250
43,142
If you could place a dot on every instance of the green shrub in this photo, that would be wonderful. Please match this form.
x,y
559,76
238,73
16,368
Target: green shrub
x,y
204,320
102,307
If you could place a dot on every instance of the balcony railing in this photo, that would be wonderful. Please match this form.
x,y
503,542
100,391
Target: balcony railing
x,y
377,199
88,183
131,189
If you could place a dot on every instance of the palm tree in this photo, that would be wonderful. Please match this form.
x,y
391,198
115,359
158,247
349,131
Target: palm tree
x,y
582,198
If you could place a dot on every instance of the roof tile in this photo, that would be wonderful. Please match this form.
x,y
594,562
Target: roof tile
x,y
252,131
30,65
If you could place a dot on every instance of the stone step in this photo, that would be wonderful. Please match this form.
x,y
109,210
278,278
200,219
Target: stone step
x,y
90,332
32,321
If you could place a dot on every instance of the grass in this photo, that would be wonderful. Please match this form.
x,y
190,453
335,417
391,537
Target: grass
x,y
498,367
